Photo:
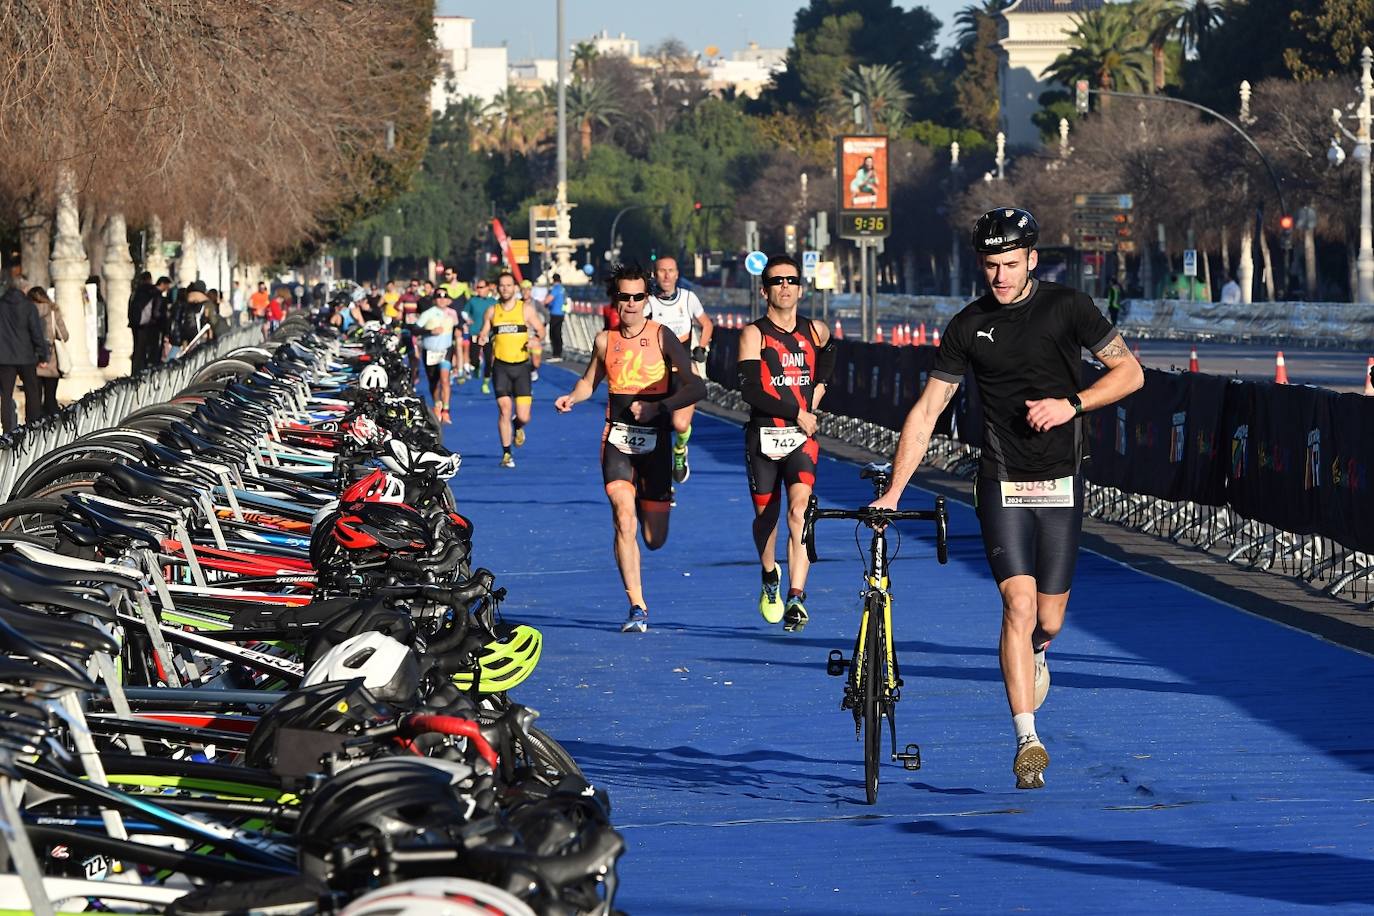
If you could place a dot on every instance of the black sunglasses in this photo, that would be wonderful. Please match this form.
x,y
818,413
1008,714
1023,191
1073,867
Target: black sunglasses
x,y
627,297
779,281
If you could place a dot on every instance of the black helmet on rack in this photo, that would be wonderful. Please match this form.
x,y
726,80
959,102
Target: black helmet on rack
x,y
1004,229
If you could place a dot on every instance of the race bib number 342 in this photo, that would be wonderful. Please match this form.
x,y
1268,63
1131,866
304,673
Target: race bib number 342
x,y
780,441
632,440
1046,494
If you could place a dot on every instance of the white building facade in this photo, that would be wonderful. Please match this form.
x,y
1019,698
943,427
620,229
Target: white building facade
x,y
464,69
747,72
1032,34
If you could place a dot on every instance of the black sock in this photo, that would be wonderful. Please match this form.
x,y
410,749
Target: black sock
x,y
795,593
505,449
770,577
518,424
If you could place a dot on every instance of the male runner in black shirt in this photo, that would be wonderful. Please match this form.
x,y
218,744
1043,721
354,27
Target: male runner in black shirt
x,y
1023,342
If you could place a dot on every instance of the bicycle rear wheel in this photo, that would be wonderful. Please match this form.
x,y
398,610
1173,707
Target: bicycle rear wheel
x,y
872,698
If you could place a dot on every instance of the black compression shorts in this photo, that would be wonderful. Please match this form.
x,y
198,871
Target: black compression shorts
x,y
510,379
650,474
769,476
1022,541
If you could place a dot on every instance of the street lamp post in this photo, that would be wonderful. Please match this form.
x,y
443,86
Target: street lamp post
x,y
1364,263
955,269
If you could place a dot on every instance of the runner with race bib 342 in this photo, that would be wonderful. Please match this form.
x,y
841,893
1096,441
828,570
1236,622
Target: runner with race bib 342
x,y
1023,342
649,376
784,362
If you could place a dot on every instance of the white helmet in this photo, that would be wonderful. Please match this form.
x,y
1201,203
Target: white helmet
x,y
388,668
373,376
438,897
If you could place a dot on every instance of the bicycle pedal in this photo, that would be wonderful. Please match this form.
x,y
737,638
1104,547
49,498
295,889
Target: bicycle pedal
x,y
911,759
836,664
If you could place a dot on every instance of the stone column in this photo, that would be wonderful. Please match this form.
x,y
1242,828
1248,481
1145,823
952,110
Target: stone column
x,y
35,244
119,275
153,261
69,269
187,266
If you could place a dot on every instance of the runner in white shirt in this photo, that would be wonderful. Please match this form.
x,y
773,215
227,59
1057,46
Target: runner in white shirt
x,y
677,310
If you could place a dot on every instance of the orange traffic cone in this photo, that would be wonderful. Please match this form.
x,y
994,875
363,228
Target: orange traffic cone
x,y
935,337
1369,378
1280,370
878,335
839,330
1192,360
921,334
906,335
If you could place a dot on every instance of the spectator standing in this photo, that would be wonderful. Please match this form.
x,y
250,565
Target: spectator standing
x,y
1114,300
276,308
238,302
148,320
257,303
22,347
54,329
1230,292
556,301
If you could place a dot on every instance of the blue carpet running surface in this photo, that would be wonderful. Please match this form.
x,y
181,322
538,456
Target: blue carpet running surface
x,y
1203,760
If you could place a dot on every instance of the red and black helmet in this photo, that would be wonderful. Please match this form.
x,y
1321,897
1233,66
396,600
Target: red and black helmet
x,y
393,527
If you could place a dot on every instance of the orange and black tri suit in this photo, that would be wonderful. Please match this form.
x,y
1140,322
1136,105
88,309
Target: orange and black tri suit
x,y
777,387
649,366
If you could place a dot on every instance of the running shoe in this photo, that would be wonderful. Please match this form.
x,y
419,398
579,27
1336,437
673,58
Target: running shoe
x,y
672,497
1030,764
486,387
520,437
507,460
794,616
637,621
1042,679
534,375
770,600
680,469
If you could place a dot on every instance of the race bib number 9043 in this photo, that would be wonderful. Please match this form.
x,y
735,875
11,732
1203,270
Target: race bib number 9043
x,y
1057,493
780,441
632,440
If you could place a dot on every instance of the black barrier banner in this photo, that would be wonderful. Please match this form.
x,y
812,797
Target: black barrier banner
x,y
1347,502
1139,443
722,361
1277,471
1203,479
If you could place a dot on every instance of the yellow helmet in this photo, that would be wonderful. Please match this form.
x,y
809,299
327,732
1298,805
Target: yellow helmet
x,y
526,284
505,662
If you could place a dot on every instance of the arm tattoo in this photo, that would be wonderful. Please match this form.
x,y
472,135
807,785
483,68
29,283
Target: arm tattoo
x,y
1113,351
950,392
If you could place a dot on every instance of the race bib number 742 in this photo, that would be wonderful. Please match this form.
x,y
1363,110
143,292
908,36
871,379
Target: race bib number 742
x,y
780,441
1038,493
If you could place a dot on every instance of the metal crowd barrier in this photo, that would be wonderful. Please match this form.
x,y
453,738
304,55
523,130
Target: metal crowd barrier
x,y
1219,530
107,405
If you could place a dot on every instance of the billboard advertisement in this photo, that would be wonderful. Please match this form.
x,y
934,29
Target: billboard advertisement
x,y
863,173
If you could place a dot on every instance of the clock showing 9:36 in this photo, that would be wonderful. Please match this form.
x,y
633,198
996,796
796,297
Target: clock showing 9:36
x,y
865,224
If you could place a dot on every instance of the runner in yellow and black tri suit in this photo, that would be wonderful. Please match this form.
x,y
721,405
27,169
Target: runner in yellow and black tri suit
x,y
649,376
510,325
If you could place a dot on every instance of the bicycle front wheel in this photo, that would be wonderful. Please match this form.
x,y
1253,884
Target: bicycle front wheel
x,y
872,697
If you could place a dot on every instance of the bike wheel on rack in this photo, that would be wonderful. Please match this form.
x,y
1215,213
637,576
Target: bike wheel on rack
x,y
872,697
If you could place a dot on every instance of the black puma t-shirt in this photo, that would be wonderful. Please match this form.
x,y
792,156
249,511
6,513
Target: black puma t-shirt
x,y
1022,352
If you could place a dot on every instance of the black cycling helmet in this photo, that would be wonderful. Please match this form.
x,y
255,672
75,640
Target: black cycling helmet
x,y
333,707
1004,229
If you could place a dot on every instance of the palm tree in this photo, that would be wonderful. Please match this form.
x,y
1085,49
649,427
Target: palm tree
x,y
880,90
583,58
1108,49
1195,26
517,122
592,102
967,19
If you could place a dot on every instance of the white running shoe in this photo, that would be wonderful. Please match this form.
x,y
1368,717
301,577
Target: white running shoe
x,y
1030,764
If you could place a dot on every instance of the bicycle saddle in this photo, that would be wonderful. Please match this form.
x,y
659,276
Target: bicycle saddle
x,y
123,481
54,565
104,528
876,469
61,635
25,589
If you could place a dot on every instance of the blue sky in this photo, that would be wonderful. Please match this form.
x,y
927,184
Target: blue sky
x,y
527,26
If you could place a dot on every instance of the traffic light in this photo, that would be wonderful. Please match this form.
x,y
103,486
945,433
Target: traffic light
x,y
1286,231
697,206
790,238
1080,96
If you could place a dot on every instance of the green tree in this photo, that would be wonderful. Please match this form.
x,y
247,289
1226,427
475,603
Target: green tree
x,y
1330,35
880,93
976,95
1109,49
592,103
969,20
831,37
584,58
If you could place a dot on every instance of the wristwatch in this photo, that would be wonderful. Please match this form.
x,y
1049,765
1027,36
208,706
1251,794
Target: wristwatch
x,y
699,354
1076,403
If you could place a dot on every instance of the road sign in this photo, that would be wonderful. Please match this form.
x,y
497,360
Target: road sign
x,y
809,261
543,226
1104,201
520,248
825,275
1190,262
754,262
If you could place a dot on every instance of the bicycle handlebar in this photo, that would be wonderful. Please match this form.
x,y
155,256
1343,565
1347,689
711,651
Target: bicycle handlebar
x,y
878,518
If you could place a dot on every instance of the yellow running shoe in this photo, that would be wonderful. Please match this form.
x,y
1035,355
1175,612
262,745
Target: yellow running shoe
x,y
770,600
520,437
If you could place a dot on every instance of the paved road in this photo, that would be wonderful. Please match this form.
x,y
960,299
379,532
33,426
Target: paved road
x,y
1205,760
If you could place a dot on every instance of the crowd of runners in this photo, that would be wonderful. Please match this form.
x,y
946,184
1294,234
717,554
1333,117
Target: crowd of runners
x,y
1021,343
